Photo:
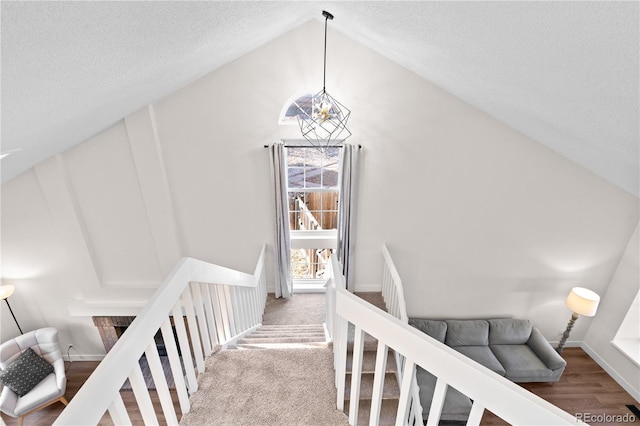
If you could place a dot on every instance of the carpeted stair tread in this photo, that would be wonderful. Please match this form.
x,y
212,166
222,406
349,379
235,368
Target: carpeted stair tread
x,y
369,362
284,337
280,345
268,326
375,298
279,329
291,339
389,391
370,343
388,410
289,333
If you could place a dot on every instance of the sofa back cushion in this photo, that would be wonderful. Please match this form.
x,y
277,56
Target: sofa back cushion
x,y
435,329
509,331
467,333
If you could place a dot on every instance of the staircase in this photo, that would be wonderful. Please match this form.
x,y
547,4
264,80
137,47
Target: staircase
x,y
391,391
284,337
313,336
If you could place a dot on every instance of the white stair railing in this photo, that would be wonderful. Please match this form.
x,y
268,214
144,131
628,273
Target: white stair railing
x,y
392,290
393,295
208,305
485,388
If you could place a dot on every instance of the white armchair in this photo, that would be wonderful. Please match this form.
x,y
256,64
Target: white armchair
x,y
51,389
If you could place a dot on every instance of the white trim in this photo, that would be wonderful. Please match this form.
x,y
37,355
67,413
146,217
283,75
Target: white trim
x,y
568,344
311,289
320,239
314,189
309,285
115,308
225,346
144,142
367,288
86,357
630,348
132,284
613,373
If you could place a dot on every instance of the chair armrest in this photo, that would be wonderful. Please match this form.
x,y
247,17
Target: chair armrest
x,y
539,345
8,401
61,376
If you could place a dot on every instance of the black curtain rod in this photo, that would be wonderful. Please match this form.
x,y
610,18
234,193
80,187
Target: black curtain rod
x,y
312,146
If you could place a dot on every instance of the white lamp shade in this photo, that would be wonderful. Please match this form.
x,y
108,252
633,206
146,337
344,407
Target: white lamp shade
x,y
6,291
583,301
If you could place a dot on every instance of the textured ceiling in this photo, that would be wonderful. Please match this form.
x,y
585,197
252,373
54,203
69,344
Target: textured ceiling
x,y
564,73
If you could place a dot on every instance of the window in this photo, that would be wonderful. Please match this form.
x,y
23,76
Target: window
x,y
312,184
298,105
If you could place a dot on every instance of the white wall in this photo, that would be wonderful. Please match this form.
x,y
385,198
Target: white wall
x,y
481,220
613,308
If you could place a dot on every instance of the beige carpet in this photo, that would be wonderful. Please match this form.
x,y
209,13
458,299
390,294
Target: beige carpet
x,y
303,308
260,383
276,387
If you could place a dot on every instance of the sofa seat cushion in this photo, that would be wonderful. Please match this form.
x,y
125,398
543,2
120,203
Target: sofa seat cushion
x,y
467,333
509,331
482,355
521,364
456,405
433,328
45,391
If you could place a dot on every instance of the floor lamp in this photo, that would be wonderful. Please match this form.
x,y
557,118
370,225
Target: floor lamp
x,y
581,301
5,292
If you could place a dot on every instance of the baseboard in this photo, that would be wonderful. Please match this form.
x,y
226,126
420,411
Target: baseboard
x,y
224,346
85,357
568,344
368,288
327,335
610,371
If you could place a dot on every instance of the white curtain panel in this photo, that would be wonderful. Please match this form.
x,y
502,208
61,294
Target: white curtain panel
x,y
347,209
282,245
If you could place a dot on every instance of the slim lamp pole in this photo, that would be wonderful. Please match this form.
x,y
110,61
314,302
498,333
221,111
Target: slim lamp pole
x,y
5,292
12,314
566,333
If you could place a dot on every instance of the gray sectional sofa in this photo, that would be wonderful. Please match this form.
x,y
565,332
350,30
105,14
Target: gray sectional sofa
x,y
512,348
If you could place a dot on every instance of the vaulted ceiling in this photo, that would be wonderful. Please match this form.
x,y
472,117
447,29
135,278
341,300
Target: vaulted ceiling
x,y
563,73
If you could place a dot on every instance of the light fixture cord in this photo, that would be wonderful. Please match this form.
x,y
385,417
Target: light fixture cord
x,y
324,75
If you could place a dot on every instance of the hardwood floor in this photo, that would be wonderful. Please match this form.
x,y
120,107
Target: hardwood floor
x,y
584,388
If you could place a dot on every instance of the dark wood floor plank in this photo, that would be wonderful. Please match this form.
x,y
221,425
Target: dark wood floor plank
x,y
584,388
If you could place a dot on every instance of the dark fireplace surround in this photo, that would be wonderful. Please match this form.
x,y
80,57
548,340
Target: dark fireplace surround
x,y
112,327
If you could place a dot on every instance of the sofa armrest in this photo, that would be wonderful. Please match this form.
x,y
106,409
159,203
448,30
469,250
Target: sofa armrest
x,y
539,345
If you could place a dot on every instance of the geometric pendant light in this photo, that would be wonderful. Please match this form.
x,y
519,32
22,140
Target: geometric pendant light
x,y
324,122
